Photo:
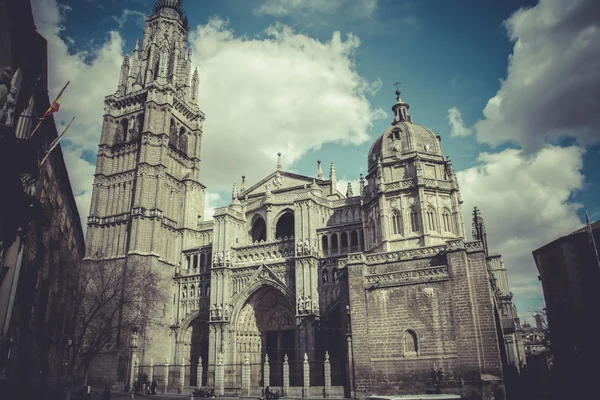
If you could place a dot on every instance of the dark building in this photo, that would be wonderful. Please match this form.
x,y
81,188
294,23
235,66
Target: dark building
x,y
40,230
570,274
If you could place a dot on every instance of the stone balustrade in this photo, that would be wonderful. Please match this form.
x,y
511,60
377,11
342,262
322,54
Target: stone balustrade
x,y
262,251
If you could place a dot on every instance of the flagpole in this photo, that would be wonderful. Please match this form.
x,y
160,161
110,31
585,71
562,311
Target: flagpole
x,y
53,108
36,128
591,232
55,143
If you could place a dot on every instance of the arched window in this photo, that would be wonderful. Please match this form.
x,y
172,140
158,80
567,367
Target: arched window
x,y
334,241
410,344
173,136
207,293
414,220
396,222
354,238
285,225
259,230
335,274
124,129
362,238
183,141
188,261
431,219
195,261
446,220
202,262
324,243
344,240
372,233
192,290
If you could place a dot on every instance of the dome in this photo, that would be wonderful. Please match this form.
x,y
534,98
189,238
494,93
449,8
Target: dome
x,y
403,137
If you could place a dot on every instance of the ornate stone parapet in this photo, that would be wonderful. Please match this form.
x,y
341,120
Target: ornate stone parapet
x,y
438,273
356,258
474,246
455,245
263,251
405,254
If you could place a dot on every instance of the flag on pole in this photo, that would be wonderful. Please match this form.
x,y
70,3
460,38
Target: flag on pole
x,y
55,143
55,105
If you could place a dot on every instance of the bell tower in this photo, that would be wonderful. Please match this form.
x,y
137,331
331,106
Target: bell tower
x,y
147,200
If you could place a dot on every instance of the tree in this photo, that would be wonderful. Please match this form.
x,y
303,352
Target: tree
x,y
108,297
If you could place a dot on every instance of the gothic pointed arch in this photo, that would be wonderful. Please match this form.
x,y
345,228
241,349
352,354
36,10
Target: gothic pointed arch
x,y
285,224
258,229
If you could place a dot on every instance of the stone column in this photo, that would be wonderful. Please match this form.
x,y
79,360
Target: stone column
x,y
220,376
151,371
246,376
166,375
199,373
306,376
136,369
286,376
327,392
182,375
132,375
267,372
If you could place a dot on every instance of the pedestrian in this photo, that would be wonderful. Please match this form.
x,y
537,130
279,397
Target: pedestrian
x,y
106,394
144,388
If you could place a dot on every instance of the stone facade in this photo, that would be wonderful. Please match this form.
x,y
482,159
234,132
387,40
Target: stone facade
x,y
376,287
41,237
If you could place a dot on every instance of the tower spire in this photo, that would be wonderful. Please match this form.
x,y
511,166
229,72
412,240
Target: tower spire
x,y
479,232
319,170
279,165
400,109
333,177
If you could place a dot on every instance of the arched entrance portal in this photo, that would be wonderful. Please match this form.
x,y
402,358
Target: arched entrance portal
x,y
198,348
266,325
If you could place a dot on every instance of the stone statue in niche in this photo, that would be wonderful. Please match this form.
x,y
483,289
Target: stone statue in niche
x,y
5,79
307,304
418,166
219,311
306,246
325,277
301,305
134,123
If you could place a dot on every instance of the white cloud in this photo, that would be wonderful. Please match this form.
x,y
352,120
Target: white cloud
x,y
342,186
286,93
525,204
457,126
211,202
84,98
553,82
299,8
138,16
292,94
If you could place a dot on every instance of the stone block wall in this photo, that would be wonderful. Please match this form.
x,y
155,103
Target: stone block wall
x,y
453,320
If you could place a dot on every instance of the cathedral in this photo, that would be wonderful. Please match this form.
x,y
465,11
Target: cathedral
x,y
293,285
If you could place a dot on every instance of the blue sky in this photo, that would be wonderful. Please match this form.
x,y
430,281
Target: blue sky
x,y
523,134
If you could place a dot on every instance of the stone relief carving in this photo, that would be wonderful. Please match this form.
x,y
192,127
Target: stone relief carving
x,y
5,79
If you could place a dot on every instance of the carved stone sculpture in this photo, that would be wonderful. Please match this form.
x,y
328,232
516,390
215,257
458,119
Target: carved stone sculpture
x,y
5,78
11,103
